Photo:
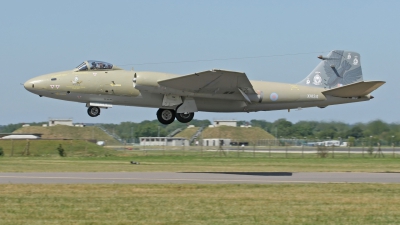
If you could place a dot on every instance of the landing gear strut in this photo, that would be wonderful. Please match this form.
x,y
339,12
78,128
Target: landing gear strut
x,y
93,111
166,116
184,117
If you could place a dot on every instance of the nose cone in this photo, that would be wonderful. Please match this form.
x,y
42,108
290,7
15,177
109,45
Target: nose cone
x,y
28,85
33,84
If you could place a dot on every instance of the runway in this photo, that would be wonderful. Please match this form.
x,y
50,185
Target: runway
x,y
196,178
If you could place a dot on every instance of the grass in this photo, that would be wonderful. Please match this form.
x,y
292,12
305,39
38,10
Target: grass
x,y
190,203
48,148
179,163
200,204
84,156
68,132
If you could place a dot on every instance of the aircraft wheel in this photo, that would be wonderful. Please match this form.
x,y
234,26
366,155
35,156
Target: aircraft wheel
x,y
166,116
184,117
93,111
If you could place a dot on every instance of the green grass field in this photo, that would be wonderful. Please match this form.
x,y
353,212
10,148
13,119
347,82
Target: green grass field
x,y
200,204
85,156
196,164
191,203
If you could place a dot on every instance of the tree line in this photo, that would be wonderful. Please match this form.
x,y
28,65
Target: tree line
x,y
281,128
314,130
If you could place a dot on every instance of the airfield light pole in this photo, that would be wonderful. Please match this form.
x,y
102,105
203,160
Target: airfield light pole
x,y
302,147
132,140
370,141
333,147
362,143
392,145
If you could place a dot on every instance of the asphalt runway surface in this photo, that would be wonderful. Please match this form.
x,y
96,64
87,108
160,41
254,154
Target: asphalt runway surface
x,y
196,178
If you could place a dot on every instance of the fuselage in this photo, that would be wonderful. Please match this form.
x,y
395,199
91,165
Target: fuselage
x,y
117,87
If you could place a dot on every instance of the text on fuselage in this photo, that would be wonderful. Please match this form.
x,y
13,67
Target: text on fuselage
x,y
312,96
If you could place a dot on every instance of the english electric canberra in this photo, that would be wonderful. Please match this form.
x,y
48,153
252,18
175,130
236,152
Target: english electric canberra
x,y
337,79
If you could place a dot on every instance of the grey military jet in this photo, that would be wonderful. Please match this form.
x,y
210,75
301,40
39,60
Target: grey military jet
x,y
337,79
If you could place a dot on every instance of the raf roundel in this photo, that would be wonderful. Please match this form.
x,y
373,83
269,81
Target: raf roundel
x,y
273,97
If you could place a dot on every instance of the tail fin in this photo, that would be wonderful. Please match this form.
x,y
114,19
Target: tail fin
x,y
337,69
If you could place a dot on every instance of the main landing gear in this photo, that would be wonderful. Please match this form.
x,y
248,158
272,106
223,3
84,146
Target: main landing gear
x,y
93,111
167,116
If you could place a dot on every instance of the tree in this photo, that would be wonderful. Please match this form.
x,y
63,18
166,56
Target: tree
x,y
304,129
268,126
355,132
284,127
377,127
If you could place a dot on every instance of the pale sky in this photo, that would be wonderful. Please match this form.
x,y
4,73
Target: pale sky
x,y
39,37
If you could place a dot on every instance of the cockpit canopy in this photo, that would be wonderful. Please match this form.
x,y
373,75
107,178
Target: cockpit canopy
x,y
96,65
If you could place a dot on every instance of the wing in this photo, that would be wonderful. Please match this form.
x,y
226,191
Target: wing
x,y
214,82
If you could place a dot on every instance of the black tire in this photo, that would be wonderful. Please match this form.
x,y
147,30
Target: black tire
x,y
184,117
93,111
166,116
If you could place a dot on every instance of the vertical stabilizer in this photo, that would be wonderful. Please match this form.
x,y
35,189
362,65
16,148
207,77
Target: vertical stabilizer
x,y
337,69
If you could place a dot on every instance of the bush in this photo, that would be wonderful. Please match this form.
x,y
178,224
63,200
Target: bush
x,y
370,150
61,151
1,151
322,151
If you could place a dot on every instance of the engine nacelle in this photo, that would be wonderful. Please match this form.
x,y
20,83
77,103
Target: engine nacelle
x,y
150,78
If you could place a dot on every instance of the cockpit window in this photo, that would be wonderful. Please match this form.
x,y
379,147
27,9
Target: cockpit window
x,y
98,65
82,67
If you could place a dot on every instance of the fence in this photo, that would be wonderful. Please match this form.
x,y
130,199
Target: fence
x,y
274,151
257,148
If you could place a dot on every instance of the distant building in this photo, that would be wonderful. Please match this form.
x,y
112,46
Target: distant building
x,y
163,141
20,136
66,122
231,123
246,126
216,142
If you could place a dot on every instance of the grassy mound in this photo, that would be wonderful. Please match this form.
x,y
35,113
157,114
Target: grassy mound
x,y
49,148
68,132
187,133
237,133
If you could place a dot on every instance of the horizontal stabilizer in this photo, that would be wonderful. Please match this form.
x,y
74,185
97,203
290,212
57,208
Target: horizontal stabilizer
x,y
354,90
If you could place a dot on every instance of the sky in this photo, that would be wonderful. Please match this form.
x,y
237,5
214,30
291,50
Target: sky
x,y
40,37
